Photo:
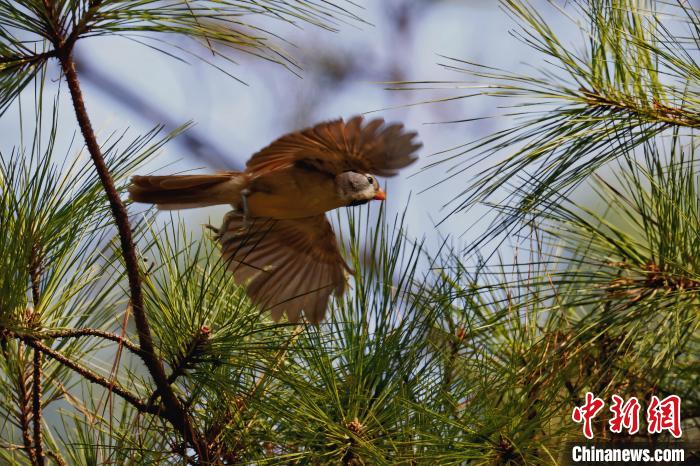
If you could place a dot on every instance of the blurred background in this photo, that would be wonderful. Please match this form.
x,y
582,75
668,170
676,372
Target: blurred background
x,y
333,74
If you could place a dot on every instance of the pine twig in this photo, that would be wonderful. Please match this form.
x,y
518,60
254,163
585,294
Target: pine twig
x,y
193,349
24,408
35,269
22,60
36,408
658,111
80,332
57,458
91,376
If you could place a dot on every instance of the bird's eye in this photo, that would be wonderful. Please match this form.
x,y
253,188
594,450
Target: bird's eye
x,y
370,180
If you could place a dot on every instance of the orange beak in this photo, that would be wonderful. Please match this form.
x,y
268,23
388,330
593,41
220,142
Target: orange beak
x,y
379,195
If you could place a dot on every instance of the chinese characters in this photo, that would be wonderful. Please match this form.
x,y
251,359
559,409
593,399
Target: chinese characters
x,y
662,415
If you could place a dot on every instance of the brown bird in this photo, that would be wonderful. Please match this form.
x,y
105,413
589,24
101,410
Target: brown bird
x,y
277,241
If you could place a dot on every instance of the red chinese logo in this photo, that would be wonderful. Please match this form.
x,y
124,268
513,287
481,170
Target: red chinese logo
x,y
662,415
665,415
625,415
587,412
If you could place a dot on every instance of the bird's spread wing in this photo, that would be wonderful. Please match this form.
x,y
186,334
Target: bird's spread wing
x,y
286,265
338,146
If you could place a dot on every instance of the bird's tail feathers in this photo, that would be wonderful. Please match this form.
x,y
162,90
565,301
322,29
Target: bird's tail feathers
x,y
188,191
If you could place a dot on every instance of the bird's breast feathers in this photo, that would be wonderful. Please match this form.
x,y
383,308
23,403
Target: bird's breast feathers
x,y
294,192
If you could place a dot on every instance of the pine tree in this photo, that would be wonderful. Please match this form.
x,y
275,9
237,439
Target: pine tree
x,y
123,343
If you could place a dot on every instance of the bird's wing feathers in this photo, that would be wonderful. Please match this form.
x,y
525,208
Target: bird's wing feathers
x,y
338,146
286,265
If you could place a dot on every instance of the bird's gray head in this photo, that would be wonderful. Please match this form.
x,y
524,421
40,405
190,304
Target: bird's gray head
x,y
358,188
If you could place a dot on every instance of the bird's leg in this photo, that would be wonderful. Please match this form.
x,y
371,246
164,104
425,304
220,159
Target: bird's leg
x,y
244,201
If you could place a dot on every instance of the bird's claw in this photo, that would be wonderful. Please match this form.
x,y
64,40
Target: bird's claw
x,y
244,201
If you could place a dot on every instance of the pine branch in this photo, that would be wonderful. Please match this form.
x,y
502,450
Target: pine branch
x,y
174,410
92,377
656,113
25,60
80,332
35,270
52,18
57,458
24,410
184,361
176,414
36,408
35,275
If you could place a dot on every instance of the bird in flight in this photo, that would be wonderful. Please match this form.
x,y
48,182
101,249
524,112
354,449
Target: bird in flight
x,y
277,241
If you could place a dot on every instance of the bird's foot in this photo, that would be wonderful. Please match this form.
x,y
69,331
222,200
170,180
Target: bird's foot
x,y
244,202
